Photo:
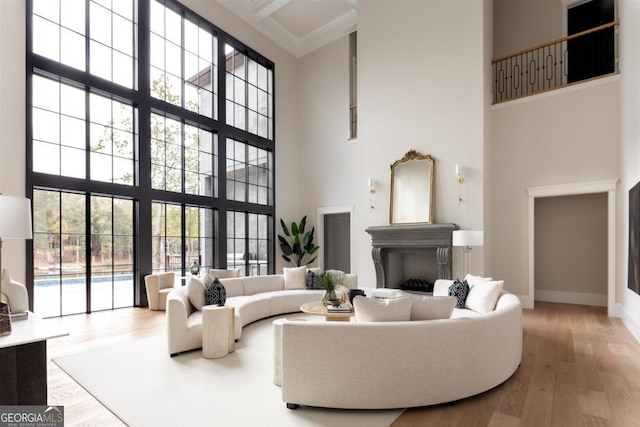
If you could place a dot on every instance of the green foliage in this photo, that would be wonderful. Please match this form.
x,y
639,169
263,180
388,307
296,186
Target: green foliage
x,y
326,281
297,246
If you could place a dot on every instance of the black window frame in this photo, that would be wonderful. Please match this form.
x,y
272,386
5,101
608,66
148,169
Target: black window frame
x,y
141,98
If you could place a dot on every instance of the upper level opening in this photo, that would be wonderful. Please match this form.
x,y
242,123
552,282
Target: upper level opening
x,y
587,51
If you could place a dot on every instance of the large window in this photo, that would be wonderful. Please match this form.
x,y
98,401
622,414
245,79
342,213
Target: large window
x,y
128,132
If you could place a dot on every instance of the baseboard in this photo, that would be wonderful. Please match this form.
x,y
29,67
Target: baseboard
x,y
581,298
628,321
526,301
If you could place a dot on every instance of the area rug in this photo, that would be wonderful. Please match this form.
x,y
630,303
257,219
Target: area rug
x,y
143,386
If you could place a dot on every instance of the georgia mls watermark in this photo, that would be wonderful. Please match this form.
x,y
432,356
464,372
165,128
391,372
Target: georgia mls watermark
x,y
31,416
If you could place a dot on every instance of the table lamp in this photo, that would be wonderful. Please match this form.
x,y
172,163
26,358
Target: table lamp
x,y
15,223
467,239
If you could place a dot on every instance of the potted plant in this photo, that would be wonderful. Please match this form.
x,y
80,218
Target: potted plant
x,y
328,282
297,246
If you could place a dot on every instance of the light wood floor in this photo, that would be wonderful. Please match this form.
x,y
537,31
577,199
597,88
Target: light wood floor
x,y
579,368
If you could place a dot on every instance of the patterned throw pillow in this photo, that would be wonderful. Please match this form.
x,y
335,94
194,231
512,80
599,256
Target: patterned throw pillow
x,y
460,290
215,293
312,280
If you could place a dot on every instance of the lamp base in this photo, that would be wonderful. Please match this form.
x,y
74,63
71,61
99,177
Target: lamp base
x,y
5,319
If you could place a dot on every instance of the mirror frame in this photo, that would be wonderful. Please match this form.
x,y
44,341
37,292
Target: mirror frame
x,y
428,217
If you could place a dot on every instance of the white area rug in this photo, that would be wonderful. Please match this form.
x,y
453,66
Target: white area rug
x,y
143,386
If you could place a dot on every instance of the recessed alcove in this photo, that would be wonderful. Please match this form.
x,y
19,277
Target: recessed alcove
x,y
408,252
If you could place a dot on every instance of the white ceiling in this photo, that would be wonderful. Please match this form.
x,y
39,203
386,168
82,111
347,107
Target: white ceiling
x,y
298,26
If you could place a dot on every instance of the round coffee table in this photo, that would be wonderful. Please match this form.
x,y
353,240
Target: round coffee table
x,y
317,307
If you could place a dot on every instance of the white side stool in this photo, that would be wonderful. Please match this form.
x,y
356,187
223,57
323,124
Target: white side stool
x,y
217,331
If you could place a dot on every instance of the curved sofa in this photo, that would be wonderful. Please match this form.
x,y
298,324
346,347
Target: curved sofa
x,y
253,297
385,365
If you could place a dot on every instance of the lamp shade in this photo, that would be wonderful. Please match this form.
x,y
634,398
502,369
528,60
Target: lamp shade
x,y
467,238
15,217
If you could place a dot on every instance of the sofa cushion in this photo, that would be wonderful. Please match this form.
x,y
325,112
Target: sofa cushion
x,y
196,292
381,309
441,287
425,307
460,290
224,273
256,284
289,301
483,296
350,281
295,277
248,309
234,286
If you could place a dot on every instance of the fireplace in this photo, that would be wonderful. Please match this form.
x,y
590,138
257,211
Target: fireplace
x,y
401,253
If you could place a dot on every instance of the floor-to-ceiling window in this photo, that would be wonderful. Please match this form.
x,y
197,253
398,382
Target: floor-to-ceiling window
x,y
150,142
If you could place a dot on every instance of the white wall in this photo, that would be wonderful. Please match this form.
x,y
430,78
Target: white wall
x,y
565,136
521,24
420,86
629,11
12,120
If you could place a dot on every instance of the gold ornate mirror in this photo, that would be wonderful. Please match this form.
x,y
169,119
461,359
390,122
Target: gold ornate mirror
x,y
411,200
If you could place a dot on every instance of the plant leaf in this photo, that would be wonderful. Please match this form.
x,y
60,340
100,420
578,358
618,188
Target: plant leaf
x,y
285,247
296,249
284,228
307,241
303,224
294,229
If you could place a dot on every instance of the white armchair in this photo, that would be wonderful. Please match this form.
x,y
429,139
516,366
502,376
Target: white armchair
x,y
158,287
14,293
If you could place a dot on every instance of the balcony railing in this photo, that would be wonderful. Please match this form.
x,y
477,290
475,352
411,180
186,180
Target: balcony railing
x,y
583,56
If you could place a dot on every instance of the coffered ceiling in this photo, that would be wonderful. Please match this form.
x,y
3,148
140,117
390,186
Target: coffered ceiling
x,y
298,26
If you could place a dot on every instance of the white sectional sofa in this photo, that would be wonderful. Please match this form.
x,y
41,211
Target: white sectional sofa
x,y
253,297
400,364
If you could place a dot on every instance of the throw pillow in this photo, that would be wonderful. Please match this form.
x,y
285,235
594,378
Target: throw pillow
x,y
460,290
430,308
215,293
295,277
382,310
473,280
196,292
483,296
312,279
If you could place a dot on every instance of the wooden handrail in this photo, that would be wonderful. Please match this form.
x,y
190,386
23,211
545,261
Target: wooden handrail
x,y
572,36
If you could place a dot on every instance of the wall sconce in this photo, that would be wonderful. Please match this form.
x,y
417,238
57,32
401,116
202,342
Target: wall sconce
x,y
372,190
459,180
